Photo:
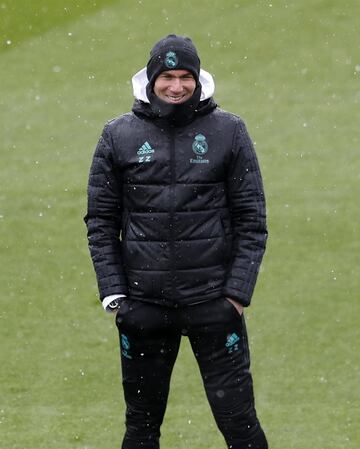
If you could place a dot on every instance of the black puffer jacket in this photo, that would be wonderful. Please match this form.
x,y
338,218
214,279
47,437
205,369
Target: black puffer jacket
x,y
187,203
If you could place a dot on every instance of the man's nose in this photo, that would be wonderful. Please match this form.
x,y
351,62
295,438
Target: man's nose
x,y
176,85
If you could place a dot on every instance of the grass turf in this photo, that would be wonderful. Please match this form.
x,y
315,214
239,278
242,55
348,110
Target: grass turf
x,y
291,70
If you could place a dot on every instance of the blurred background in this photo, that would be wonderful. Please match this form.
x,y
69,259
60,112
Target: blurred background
x,y
291,70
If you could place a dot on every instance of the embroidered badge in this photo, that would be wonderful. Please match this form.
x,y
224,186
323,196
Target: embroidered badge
x,y
232,342
145,152
200,148
125,345
171,60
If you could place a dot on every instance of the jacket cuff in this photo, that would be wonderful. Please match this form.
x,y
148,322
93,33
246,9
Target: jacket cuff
x,y
236,296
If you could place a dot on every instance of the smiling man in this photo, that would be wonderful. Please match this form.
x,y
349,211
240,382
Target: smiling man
x,y
176,229
175,86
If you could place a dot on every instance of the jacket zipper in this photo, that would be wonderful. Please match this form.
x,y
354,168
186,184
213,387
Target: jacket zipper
x,y
172,215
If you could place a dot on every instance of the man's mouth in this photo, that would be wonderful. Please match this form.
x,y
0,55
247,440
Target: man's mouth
x,y
175,99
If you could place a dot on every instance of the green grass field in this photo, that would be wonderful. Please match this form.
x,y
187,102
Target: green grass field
x,y
291,69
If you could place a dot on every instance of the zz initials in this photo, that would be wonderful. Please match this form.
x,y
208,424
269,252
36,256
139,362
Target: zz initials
x,y
144,159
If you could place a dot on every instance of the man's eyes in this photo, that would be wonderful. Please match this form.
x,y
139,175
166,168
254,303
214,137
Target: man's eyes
x,y
185,77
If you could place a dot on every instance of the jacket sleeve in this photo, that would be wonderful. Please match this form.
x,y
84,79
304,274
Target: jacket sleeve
x,y
248,219
104,217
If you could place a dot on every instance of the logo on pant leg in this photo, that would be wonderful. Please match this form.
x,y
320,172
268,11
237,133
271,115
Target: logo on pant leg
x,y
232,343
125,345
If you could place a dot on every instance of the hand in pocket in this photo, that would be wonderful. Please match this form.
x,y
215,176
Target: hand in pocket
x,y
237,306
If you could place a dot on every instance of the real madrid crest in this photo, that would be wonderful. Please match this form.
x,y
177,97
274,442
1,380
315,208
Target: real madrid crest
x,y
171,60
200,148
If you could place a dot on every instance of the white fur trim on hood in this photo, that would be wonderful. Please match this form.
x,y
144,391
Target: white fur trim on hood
x,y
140,81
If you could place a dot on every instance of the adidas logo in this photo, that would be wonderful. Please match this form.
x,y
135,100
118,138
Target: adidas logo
x,y
231,340
145,149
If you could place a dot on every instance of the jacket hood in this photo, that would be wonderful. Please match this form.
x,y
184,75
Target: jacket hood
x,y
140,81
165,114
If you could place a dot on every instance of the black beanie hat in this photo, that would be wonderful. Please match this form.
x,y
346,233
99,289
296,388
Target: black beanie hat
x,y
173,53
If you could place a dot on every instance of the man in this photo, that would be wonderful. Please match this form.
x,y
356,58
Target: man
x,y
176,228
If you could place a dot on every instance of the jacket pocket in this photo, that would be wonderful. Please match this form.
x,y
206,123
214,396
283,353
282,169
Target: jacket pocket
x,y
222,228
126,225
226,236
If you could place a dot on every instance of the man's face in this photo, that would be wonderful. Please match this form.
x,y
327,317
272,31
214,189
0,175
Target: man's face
x,y
175,86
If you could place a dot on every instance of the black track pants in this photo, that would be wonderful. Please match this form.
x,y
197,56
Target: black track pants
x,y
150,338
